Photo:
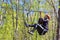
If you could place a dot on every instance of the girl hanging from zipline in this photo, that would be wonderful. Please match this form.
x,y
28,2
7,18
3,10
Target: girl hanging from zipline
x,y
41,26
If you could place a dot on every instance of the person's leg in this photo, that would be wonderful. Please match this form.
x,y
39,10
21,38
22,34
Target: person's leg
x,y
41,30
33,25
32,31
28,25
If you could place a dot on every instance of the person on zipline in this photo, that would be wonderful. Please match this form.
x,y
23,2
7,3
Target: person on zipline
x,y
41,26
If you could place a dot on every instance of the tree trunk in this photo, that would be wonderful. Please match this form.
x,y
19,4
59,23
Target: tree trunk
x,y
58,28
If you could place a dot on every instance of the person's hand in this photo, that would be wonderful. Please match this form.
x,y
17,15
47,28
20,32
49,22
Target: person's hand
x,y
26,24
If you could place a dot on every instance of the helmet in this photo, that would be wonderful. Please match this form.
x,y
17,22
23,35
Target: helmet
x,y
48,16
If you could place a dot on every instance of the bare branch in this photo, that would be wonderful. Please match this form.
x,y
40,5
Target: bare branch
x,y
52,4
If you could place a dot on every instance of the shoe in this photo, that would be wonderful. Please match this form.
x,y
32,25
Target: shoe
x,y
30,32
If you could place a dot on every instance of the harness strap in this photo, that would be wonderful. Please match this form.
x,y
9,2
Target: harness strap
x,y
36,26
43,31
40,26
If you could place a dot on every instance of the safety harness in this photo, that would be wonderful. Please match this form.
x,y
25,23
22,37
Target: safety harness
x,y
44,30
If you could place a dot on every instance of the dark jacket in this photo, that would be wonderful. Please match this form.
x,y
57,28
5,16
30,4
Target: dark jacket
x,y
44,24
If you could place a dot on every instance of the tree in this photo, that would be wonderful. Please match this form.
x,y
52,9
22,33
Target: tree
x,y
58,28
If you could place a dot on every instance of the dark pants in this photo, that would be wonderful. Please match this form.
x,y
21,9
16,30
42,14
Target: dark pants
x,y
39,29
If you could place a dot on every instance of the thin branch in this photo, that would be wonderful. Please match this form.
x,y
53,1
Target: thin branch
x,y
52,6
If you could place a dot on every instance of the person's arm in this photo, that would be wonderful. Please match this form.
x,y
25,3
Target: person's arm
x,y
45,24
40,21
28,25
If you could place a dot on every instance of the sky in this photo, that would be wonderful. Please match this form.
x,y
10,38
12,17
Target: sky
x,y
41,3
